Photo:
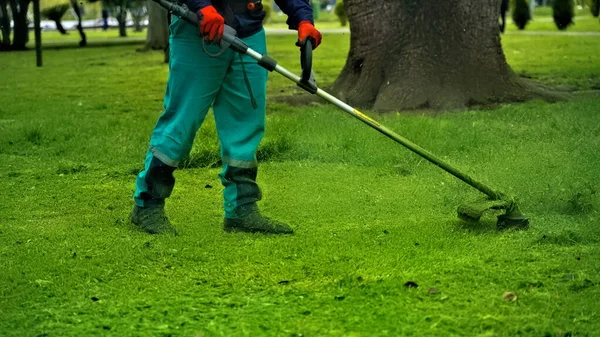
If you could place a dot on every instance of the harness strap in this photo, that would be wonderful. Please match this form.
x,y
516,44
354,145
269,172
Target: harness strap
x,y
252,99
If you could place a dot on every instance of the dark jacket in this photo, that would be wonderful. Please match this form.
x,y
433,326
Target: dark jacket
x,y
247,23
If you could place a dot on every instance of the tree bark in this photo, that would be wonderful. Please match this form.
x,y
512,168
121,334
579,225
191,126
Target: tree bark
x,y
427,54
157,36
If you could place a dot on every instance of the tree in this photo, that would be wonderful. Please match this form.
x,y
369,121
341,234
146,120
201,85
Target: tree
x,y
19,10
594,7
5,24
56,13
120,8
427,53
521,14
157,36
139,12
341,13
563,13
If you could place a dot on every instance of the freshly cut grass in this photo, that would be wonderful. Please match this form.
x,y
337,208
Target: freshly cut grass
x,y
378,249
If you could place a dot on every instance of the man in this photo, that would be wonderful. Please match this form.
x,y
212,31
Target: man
x,y
235,86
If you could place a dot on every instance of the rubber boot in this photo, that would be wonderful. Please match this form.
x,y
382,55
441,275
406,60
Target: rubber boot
x,y
153,186
152,218
251,221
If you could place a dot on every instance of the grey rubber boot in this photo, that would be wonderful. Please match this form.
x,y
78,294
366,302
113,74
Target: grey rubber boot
x,y
252,221
152,219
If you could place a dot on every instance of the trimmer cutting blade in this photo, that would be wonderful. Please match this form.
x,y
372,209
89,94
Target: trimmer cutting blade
x,y
512,218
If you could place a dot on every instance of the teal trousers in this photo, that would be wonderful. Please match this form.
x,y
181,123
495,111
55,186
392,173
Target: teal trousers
x,y
196,83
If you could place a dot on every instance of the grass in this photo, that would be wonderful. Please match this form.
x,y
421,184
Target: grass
x,y
378,249
112,34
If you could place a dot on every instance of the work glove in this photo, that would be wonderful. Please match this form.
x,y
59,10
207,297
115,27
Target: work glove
x,y
212,24
307,29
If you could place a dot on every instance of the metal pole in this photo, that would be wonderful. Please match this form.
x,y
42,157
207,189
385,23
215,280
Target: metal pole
x,y
38,32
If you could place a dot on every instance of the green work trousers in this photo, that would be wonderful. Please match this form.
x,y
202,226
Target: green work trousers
x,y
196,82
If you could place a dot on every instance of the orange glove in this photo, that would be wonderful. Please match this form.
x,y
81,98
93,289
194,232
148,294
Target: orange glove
x,y
305,30
212,24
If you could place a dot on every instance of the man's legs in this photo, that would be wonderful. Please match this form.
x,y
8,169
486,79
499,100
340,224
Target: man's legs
x,y
193,83
241,127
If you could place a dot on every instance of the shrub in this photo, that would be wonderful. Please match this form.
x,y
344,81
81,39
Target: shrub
x,y
594,7
55,13
340,12
563,12
521,14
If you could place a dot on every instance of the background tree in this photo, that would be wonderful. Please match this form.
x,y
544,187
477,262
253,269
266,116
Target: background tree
x,y
119,8
157,36
5,24
427,53
340,12
594,7
139,12
19,9
504,7
563,12
56,13
521,14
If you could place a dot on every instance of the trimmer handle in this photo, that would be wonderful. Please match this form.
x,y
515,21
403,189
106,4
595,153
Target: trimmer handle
x,y
306,48
307,80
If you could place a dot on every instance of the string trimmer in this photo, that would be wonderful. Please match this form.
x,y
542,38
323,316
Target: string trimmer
x,y
512,217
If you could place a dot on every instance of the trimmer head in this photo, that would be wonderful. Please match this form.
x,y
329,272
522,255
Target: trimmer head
x,y
513,218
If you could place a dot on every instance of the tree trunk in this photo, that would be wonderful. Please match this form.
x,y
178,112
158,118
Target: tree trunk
x,y
427,54
5,23
122,29
21,29
122,20
157,37
137,26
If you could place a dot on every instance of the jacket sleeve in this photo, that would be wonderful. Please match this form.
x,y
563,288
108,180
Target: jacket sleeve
x,y
196,5
296,10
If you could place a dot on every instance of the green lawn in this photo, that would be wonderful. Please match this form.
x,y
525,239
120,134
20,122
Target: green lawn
x,y
95,35
369,215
